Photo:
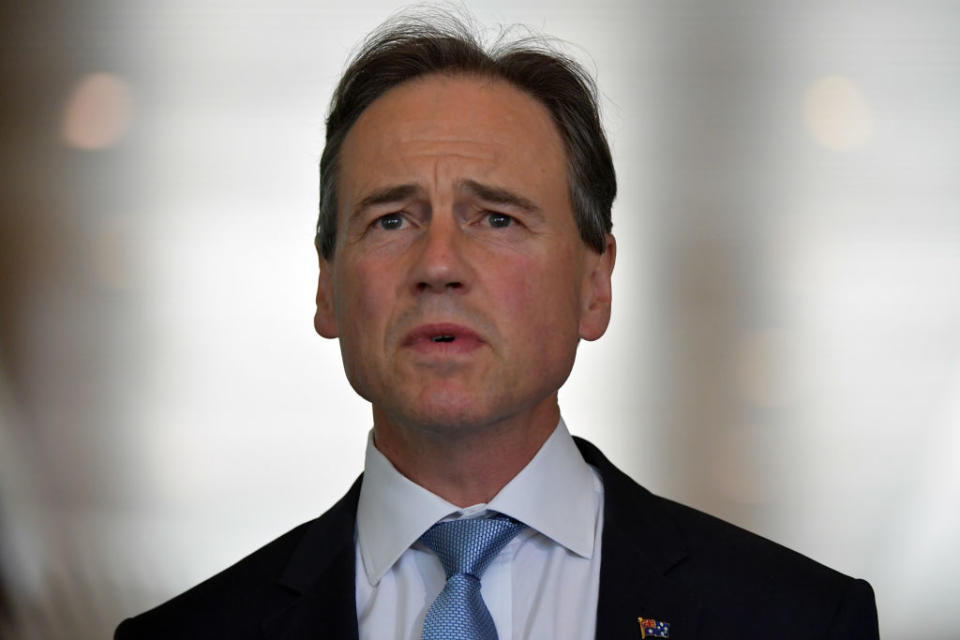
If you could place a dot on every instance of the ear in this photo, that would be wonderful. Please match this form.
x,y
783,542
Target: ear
x,y
325,320
595,294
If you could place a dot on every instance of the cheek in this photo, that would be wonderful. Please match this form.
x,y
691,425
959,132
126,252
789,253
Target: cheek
x,y
517,291
363,301
541,298
516,283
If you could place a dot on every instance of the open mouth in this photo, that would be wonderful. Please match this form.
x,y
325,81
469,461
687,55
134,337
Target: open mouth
x,y
443,339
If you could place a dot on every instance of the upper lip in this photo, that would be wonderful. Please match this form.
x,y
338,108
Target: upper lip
x,y
438,330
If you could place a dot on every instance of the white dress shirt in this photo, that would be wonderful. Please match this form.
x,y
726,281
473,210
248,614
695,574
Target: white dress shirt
x,y
543,584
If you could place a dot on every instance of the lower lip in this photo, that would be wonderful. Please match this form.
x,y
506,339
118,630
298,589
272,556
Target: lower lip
x,y
456,346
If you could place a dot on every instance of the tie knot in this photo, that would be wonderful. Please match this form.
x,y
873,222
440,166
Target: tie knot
x,y
468,546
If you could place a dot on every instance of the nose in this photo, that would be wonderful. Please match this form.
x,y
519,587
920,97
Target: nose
x,y
441,265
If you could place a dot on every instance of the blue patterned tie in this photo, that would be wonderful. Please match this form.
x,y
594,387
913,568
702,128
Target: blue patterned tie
x,y
465,549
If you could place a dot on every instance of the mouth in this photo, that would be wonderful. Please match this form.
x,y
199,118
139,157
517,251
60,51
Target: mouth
x,y
443,338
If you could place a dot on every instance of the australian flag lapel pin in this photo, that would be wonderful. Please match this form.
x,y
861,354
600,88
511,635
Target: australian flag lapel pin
x,y
650,628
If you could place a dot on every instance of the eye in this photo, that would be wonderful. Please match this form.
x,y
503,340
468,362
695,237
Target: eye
x,y
390,222
499,220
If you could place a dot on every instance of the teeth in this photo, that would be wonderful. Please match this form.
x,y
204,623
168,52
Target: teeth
x,y
442,338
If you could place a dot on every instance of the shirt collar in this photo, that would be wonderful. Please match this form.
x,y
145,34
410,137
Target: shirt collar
x,y
554,494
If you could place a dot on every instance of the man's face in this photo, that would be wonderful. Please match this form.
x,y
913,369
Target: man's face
x,y
459,286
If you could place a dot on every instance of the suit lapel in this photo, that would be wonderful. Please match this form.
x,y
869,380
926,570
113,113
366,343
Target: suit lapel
x,y
321,580
641,546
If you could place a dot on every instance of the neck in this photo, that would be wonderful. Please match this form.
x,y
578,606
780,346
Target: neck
x,y
464,465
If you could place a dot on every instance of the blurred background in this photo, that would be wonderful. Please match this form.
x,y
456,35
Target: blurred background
x,y
784,351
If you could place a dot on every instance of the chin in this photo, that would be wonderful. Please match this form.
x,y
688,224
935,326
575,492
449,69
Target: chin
x,y
449,418
457,409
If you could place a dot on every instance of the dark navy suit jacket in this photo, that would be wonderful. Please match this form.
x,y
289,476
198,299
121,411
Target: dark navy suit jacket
x,y
660,560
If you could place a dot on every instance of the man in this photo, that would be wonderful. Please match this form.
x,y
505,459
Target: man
x,y
465,249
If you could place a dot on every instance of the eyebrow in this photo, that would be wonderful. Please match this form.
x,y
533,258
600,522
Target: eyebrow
x,y
496,195
387,195
488,193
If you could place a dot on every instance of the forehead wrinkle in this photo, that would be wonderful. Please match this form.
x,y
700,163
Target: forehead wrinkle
x,y
443,192
443,158
463,149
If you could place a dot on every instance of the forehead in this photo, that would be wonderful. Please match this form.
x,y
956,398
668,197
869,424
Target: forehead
x,y
439,129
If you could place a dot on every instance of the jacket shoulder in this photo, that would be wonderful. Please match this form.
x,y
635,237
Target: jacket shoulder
x,y
235,598
747,580
735,555
745,585
235,602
